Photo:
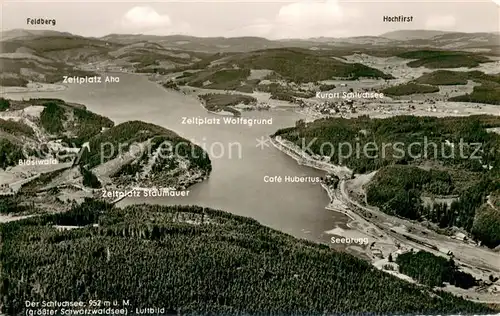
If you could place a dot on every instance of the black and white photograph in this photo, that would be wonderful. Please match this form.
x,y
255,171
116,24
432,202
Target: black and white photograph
x,y
250,158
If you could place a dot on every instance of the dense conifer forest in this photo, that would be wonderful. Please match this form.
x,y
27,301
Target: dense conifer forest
x,y
397,190
89,178
10,153
119,139
62,119
443,59
442,164
434,136
196,260
437,270
4,104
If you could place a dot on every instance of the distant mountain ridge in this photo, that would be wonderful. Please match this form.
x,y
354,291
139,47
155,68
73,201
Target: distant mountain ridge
x,y
23,33
50,53
400,38
404,35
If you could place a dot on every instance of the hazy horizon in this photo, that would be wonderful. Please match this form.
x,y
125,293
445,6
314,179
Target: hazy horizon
x,y
255,18
241,36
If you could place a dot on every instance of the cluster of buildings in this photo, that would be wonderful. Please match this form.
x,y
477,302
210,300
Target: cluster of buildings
x,y
332,108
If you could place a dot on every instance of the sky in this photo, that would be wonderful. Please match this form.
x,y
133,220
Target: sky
x,y
230,18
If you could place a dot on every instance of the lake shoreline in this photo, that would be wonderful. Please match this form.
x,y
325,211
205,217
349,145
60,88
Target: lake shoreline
x,y
302,217
304,159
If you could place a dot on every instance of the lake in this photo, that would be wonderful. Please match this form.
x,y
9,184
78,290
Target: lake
x,y
236,183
